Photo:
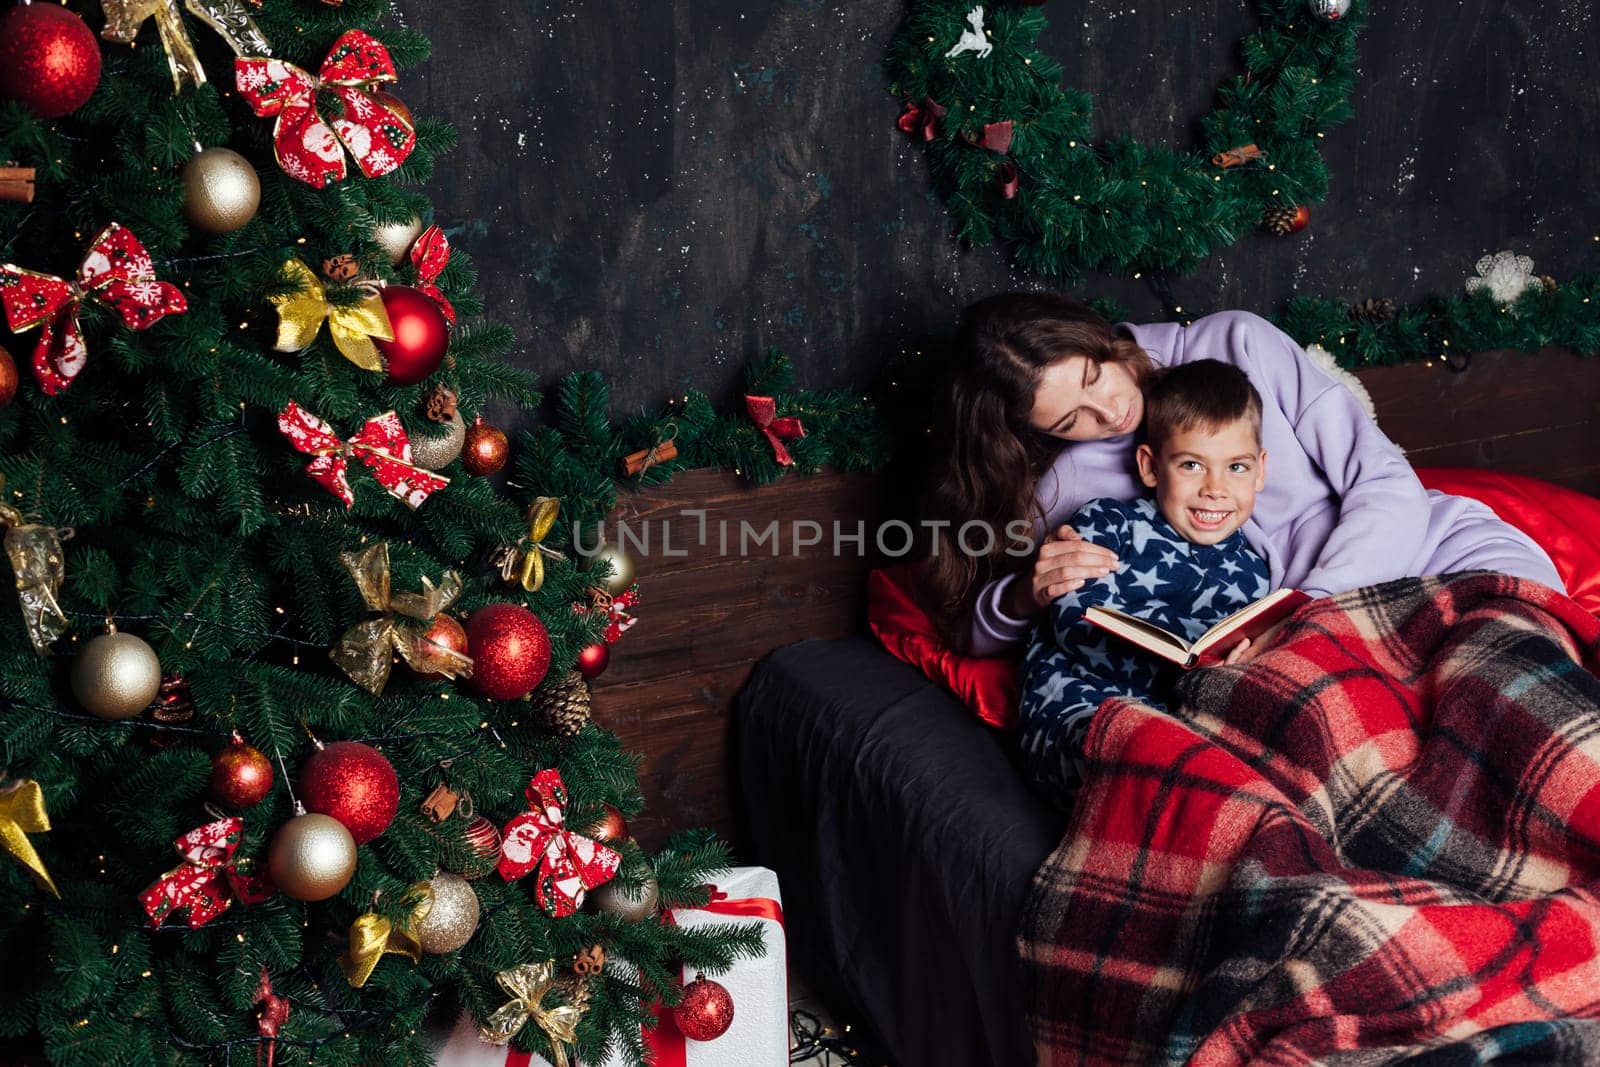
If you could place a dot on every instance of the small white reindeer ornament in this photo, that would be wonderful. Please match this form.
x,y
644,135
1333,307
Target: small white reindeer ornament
x,y
973,40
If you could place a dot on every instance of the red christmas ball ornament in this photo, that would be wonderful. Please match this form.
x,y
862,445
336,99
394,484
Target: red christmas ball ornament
x,y
593,659
611,826
486,449
510,651
395,104
8,378
241,776
447,633
481,839
421,335
49,59
354,784
706,1011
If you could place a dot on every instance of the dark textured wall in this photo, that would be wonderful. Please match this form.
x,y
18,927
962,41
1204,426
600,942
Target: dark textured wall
x,y
661,188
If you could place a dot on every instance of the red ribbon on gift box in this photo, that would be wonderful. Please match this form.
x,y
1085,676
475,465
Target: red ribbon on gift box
x,y
665,1045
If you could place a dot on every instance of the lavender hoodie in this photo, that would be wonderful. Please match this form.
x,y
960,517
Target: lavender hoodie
x,y
1342,507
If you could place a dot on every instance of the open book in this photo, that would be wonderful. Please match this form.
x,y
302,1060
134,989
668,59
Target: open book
x,y
1211,647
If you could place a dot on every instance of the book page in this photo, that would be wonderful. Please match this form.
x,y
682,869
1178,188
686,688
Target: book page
x,y
1135,629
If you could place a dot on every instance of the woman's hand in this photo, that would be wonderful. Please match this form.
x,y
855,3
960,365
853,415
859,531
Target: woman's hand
x,y
1064,563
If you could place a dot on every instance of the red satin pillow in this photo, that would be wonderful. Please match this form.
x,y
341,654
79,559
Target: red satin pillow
x,y
1565,523
986,684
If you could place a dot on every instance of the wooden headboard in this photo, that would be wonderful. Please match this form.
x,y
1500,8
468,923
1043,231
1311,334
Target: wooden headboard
x,y
707,617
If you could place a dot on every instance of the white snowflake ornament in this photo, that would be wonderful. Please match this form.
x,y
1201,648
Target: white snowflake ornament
x,y
1506,275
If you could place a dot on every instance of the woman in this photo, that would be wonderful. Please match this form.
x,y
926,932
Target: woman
x,y
1341,509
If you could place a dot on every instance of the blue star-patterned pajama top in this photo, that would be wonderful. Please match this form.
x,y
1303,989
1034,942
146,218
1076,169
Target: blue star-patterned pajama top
x,y
1071,666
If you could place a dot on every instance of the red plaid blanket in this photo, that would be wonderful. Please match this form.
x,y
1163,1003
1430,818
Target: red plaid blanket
x,y
1381,841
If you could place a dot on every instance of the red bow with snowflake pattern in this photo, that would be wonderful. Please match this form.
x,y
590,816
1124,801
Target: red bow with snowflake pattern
x,y
430,254
381,444
309,148
569,864
763,412
618,621
116,271
205,882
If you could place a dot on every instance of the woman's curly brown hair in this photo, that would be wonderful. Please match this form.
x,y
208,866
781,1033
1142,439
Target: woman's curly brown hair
x,y
991,457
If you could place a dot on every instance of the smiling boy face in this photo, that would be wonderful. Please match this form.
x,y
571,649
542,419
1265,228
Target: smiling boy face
x,y
1206,480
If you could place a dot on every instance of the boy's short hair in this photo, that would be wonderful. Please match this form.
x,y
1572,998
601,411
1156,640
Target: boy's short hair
x,y
1206,394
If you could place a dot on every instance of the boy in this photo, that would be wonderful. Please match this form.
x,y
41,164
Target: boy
x,y
1184,564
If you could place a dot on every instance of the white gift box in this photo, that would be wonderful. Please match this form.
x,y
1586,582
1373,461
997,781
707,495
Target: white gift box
x,y
759,1036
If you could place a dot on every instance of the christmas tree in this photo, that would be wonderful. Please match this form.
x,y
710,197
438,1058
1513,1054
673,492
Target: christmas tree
x,y
265,797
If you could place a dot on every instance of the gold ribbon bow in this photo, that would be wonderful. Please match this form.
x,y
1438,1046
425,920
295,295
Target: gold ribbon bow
x,y
527,985
353,326
22,813
526,565
36,556
364,650
372,937
228,17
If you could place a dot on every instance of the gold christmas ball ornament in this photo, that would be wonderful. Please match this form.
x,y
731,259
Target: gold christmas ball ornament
x,y
396,238
116,676
312,857
451,919
621,565
220,190
630,905
433,452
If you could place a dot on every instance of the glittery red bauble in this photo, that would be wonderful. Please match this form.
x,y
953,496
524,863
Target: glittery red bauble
x,y
8,377
49,60
593,659
486,448
353,783
241,776
446,633
706,1011
1302,216
510,651
420,335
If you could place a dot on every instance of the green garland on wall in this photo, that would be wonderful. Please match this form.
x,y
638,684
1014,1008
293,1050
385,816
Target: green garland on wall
x,y
579,457
1119,205
1127,208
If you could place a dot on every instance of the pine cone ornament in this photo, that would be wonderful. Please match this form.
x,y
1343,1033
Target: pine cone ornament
x,y
1286,219
1376,310
565,705
440,405
1548,282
